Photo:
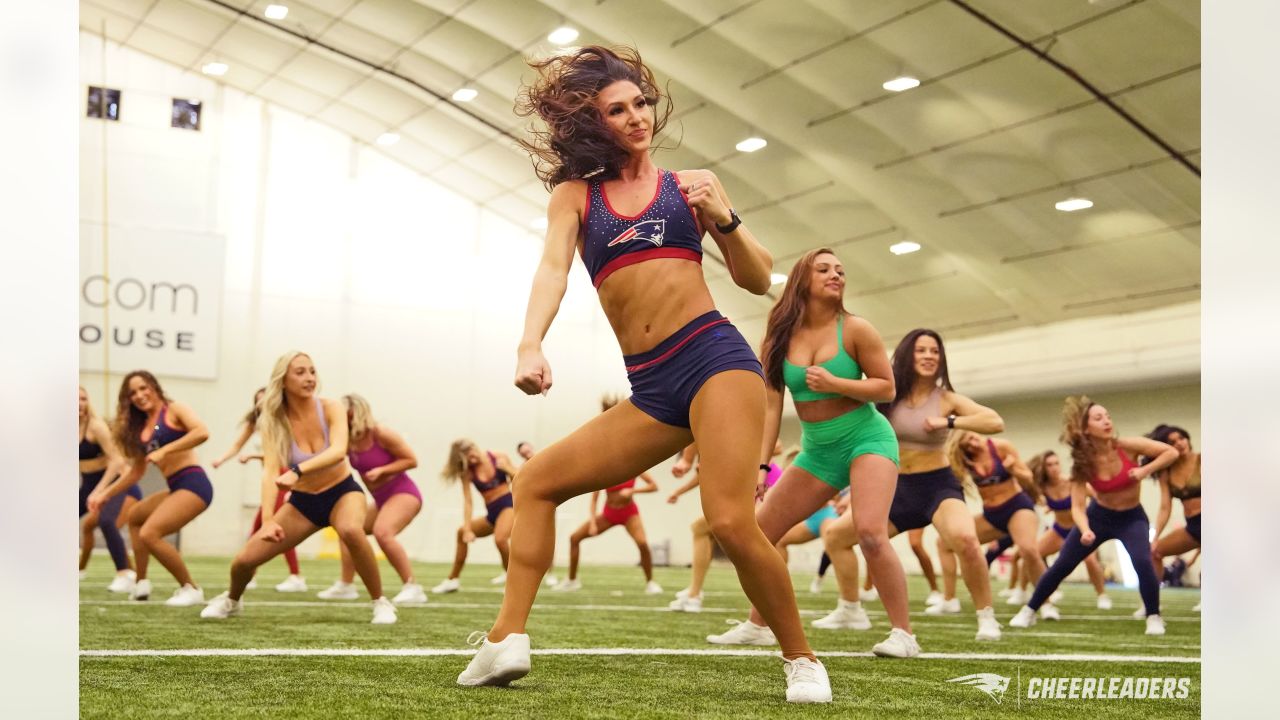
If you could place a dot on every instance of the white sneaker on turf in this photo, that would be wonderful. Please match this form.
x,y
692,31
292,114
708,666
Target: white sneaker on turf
x,y
934,598
1049,612
123,582
1196,608
1055,597
899,644
652,588
186,596
682,594
141,590
946,607
550,581
815,585
410,594
447,585
988,626
687,604
339,591
871,595
1025,618
497,663
846,616
1006,592
744,633
807,681
499,579
292,584
1155,625
384,613
1104,602
84,574
1016,597
221,608
1140,613
253,584
568,585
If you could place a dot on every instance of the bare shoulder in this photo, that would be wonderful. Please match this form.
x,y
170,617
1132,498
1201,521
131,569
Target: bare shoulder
x,y
570,192
860,327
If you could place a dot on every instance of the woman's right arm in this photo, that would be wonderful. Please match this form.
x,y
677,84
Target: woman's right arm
x,y
1079,503
271,469
467,535
245,433
533,374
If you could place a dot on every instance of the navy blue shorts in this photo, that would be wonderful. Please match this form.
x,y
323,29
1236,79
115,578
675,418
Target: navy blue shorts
x,y
494,509
919,495
192,479
317,507
1062,530
1193,526
88,481
1000,515
665,380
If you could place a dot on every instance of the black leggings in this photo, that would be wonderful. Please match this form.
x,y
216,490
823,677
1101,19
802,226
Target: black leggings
x,y
1133,531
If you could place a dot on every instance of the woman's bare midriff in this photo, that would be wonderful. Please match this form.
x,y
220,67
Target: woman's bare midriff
x,y
920,461
648,302
495,493
93,465
616,500
1121,500
174,462
996,495
317,481
814,411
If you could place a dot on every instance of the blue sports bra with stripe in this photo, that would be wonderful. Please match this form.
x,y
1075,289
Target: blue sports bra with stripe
x,y
666,228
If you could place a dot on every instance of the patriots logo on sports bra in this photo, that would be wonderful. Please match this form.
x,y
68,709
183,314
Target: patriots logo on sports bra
x,y
651,230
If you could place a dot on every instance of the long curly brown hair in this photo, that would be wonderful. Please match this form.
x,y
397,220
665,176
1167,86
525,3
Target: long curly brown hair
x,y
576,143
786,314
1084,447
129,419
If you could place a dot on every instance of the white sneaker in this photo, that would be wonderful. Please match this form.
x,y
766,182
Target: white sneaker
x,y
411,594
499,579
1016,597
498,663
946,607
846,616
871,595
988,626
807,681
253,584
682,594
141,590
744,633
1104,602
1155,625
1140,613
815,585
292,584
934,598
567,585
221,608
339,591
384,613
688,604
123,582
1006,592
186,596
899,644
550,581
1025,618
1049,612
1195,608
652,588
84,574
448,585
1055,597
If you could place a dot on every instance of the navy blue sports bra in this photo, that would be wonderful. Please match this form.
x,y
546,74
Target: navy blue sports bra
x,y
998,472
665,229
89,449
161,433
499,477
1063,504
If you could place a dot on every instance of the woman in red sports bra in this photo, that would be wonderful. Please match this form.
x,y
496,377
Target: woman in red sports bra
x,y
1104,462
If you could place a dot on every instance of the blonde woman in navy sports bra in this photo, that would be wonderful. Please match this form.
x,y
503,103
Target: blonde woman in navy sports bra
x,y
304,451
490,473
639,230
1046,469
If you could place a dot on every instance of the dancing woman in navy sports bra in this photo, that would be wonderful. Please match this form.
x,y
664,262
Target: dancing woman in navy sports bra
x,y
151,429
639,230
99,459
304,451
1104,461
1046,471
1180,480
490,473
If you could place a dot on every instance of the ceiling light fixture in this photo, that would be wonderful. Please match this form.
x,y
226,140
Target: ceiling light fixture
x,y
777,278
1073,204
465,94
276,12
904,247
217,69
387,139
751,144
898,84
563,35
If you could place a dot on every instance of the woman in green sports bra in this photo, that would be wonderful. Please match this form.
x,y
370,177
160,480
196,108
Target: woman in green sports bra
x,y
835,375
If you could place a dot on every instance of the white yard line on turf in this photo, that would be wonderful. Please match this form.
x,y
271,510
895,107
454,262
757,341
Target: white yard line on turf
x,y
446,652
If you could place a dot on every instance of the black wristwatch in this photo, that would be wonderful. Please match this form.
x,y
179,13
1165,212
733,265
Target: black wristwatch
x,y
296,470
734,222
765,468
951,421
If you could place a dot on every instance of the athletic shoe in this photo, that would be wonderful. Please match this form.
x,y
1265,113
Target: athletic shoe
x,y
688,604
447,585
1140,613
652,588
946,607
123,582
1049,612
550,581
815,585
744,633
141,590
988,626
1104,602
411,594
899,644
1155,625
682,594
186,596
221,608
1196,608
934,598
846,616
339,591
1025,618
384,613
1055,597
568,585
499,579
292,584
1016,597
871,595
498,663
807,681
1006,592
253,584
84,574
